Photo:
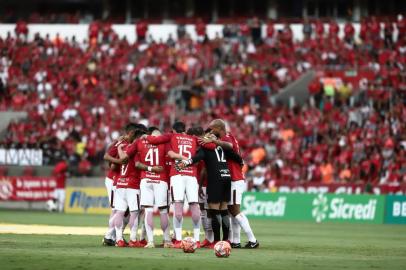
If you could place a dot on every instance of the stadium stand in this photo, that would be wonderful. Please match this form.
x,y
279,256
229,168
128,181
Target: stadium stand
x,y
347,132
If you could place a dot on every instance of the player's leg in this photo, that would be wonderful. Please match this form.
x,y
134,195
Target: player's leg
x,y
239,220
214,213
205,219
225,220
161,200
141,224
109,237
192,194
121,207
61,199
133,205
177,193
147,202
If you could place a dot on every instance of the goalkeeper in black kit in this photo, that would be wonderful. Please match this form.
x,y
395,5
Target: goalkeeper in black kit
x,y
218,184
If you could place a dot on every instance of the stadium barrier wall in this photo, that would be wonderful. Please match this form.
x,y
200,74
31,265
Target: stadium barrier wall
x,y
157,31
395,209
327,207
94,200
315,207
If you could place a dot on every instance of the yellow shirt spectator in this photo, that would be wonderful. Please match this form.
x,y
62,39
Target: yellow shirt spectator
x,y
80,148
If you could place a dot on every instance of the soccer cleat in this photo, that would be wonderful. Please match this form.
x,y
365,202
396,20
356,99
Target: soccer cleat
x,y
133,244
252,244
108,242
177,244
150,245
142,243
211,246
121,243
205,243
235,245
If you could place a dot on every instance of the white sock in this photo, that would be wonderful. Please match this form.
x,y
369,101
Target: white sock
x,y
141,224
165,224
203,218
236,231
245,225
149,224
134,228
177,227
195,211
110,233
125,221
118,224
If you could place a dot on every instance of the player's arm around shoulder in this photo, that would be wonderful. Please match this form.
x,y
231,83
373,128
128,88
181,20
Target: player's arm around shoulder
x,y
231,154
164,138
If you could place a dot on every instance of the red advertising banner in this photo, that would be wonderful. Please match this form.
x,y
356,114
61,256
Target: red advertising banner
x,y
339,188
27,188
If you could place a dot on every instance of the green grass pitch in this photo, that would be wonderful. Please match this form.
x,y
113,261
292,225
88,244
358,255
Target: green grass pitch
x,y
284,245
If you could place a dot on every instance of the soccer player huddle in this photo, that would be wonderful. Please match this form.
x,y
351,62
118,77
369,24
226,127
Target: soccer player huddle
x,y
149,169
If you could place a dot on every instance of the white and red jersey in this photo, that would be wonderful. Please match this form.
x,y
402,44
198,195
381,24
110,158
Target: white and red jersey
x,y
183,144
150,155
129,176
234,167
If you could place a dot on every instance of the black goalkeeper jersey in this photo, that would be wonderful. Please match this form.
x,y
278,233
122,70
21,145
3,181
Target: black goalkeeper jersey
x,y
218,174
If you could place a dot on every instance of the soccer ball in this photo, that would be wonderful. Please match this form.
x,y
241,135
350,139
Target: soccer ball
x,y
222,249
189,245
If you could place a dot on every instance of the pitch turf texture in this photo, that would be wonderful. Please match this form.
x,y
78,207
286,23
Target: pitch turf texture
x,y
284,245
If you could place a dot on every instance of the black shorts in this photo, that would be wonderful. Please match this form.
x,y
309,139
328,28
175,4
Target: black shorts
x,y
218,190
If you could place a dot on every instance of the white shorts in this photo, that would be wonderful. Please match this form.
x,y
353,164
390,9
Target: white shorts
x,y
154,193
110,189
127,197
203,199
237,189
183,184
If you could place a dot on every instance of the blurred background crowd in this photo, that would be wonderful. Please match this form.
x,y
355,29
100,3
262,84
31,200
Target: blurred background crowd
x,y
79,94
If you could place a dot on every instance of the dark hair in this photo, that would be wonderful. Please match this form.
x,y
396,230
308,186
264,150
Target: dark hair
x,y
139,133
130,127
152,129
142,127
197,131
207,130
191,131
179,127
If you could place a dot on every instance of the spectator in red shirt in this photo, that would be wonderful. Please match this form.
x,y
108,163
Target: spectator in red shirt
x,y
60,171
141,31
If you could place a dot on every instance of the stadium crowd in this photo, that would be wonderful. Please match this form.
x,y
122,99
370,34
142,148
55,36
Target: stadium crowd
x,y
346,135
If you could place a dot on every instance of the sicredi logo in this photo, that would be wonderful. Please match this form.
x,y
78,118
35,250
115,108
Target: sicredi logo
x,y
264,208
399,209
338,208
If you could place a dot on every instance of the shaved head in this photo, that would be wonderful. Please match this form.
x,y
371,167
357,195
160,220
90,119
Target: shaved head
x,y
218,123
218,127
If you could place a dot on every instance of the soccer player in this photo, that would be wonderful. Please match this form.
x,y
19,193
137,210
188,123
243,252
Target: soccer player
x,y
127,192
114,170
238,219
154,184
218,184
183,182
202,177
